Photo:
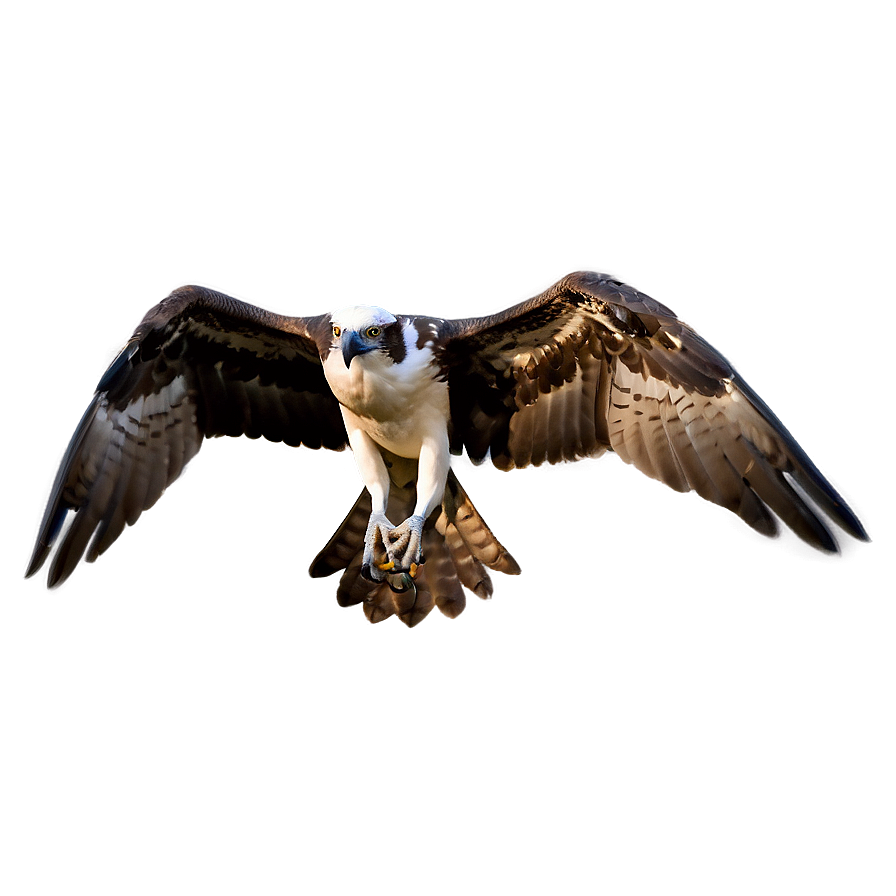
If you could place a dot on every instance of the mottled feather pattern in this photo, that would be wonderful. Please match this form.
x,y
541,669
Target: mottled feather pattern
x,y
588,366
199,365
592,365
457,544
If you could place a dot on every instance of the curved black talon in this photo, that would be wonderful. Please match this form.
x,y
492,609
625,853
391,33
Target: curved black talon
x,y
405,580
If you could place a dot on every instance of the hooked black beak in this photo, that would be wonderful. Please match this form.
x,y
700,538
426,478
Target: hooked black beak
x,y
352,345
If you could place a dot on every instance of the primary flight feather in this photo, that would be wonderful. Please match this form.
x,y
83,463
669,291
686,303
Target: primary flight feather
x,y
589,365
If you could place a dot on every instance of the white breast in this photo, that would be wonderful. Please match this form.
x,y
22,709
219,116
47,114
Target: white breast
x,y
397,405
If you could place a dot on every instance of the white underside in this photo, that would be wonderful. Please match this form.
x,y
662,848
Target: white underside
x,y
400,407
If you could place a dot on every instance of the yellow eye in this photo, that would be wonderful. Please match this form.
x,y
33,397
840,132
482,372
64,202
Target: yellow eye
x,y
373,332
336,331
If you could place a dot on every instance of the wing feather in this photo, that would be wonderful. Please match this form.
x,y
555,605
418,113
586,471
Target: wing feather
x,y
591,364
199,365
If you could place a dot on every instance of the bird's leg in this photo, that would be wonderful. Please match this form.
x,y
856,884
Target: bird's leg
x,y
432,471
378,557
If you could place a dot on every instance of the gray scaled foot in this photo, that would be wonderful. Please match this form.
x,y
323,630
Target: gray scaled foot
x,y
378,556
405,545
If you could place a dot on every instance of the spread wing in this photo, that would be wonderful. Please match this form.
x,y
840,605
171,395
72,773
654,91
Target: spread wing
x,y
200,364
591,364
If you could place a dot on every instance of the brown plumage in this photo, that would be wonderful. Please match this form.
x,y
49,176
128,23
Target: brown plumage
x,y
588,366
457,543
199,365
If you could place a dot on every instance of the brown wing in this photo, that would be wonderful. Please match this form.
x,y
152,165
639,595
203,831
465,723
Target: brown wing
x,y
200,364
591,364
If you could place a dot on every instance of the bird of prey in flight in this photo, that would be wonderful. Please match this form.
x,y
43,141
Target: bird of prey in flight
x,y
590,365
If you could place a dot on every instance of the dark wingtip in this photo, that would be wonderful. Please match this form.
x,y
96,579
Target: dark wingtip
x,y
61,567
830,501
58,574
118,366
46,539
37,559
849,521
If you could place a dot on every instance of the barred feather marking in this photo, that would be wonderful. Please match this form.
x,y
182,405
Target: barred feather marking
x,y
661,397
458,545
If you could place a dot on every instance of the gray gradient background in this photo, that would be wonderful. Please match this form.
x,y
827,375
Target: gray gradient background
x,y
192,713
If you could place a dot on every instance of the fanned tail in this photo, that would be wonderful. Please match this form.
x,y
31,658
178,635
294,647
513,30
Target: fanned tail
x,y
458,546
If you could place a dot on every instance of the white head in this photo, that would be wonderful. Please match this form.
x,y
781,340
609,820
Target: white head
x,y
361,329
361,317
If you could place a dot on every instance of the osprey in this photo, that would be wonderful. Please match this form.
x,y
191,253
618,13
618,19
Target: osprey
x,y
588,366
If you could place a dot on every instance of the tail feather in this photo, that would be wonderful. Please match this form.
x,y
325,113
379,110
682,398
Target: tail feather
x,y
342,548
477,536
470,571
457,546
442,575
414,604
378,605
353,587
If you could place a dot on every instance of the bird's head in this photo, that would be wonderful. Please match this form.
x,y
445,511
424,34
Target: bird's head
x,y
361,329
